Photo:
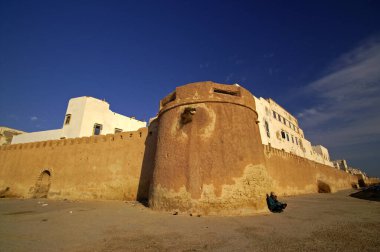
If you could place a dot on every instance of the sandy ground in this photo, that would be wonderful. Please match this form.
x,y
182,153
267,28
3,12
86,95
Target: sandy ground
x,y
318,222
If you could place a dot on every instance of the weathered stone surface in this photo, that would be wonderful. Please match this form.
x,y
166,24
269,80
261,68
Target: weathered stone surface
x,y
214,163
101,167
206,166
207,156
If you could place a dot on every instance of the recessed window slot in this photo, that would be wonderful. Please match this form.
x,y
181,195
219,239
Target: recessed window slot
x,y
227,92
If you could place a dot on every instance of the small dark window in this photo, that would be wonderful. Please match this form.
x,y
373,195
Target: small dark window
x,y
283,134
118,130
227,92
97,129
171,97
267,128
292,139
287,137
67,119
279,117
274,114
296,140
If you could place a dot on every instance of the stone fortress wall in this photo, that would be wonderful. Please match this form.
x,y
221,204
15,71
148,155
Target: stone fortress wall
x,y
211,160
99,167
202,155
293,175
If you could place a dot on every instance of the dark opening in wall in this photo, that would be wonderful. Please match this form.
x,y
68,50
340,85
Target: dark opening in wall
x,y
227,92
171,97
187,115
267,128
97,129
42,185
67,119
323,187
361,183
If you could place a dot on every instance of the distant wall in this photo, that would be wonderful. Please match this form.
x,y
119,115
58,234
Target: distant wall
x,y
364,181
38,136
292,175
97,167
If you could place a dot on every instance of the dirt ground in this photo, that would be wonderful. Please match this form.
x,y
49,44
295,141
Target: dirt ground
x,y
317,222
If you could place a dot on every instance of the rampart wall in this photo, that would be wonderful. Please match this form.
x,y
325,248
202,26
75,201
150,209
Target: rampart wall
x,y
209,160
115,166
291,174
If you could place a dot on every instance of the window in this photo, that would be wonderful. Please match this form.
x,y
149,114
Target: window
x,y
292,139
279,118
283,134
274,115
118,130
267,128
171,97
97,129
296,140
227,92
67,119
287,136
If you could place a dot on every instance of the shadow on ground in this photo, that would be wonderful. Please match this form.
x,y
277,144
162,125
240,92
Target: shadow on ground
x,y
371,193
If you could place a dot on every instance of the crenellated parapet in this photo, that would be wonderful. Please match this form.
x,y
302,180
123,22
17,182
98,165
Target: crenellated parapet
x,y
109,138
208,151
203,154
113,166
210,158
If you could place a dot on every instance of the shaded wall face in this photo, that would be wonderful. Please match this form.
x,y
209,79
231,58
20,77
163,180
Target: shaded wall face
x,y
197,159
292,175
99,167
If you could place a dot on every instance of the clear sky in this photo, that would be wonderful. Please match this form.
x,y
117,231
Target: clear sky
x,y
318,59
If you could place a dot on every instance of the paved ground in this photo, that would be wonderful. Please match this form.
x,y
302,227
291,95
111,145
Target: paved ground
x,y
318,222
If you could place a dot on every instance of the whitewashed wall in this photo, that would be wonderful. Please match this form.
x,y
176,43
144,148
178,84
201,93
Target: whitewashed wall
x,y
296,143
38,136
85,113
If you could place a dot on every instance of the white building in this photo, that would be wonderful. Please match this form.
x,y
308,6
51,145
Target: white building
x,y
85,116
341,164
280,129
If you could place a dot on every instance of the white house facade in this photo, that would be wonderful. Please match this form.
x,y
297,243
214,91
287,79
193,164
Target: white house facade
x,y
280,129
85,116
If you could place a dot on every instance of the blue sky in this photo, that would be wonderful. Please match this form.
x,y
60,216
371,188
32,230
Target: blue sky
x,y
318,59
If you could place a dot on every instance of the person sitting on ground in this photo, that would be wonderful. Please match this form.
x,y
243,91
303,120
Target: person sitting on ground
x,y
274,205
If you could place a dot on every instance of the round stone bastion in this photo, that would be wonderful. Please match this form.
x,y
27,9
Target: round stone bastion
x,y
209,158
